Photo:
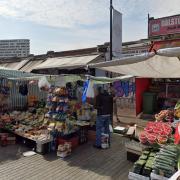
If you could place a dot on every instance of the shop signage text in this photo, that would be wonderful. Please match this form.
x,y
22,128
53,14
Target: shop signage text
x,y
164,26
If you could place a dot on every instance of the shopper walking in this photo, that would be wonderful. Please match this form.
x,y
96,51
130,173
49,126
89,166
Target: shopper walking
x,y
104,103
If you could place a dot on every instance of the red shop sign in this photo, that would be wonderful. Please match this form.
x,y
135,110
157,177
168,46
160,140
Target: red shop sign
x,y
164,26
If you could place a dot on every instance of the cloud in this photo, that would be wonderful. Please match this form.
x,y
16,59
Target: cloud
x,y
161,8
55,13
73,13
86,22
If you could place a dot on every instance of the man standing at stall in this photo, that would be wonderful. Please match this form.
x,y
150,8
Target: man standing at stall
x,y
104,103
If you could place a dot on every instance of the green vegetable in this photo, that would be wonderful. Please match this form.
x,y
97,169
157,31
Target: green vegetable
x,y
173,149
152,154
177,105
140,162
165,162
168,152
165,158
146,152
143,157
179,162
171,140
162,166
166,155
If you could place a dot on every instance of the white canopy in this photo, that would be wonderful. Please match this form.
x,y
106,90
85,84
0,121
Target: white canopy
x,y
67,62
105,80
162,64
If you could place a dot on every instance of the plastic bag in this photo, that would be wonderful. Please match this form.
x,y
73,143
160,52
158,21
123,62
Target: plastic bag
x,y
170,52
177,134
85,87
60,81
110,128
43,83
90,90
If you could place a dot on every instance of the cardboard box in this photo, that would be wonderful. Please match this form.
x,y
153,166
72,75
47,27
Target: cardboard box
x,y
91,135
74,141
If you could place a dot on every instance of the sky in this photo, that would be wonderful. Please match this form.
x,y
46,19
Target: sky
x,y
59,25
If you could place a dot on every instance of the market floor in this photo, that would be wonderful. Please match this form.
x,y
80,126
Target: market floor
x,y
85,163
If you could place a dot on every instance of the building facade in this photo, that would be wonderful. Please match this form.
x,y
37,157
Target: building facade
x,y
14,48
133,48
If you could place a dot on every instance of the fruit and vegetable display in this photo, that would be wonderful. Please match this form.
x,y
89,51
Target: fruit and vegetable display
x,y
64,111
57,103
165,163
165,115
59,115
177,110
156,133
144,164
29,124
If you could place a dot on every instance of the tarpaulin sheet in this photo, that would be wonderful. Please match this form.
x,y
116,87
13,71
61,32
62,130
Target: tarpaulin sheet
x,y
164,64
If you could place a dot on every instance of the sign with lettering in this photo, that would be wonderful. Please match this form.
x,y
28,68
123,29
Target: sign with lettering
x,y
166,44
164,26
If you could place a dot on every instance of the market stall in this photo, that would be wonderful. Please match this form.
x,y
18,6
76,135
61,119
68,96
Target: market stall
x,y
157,74
58,118
18,94
153,72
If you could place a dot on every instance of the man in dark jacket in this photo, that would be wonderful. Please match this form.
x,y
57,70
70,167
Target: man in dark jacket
x,y
104,105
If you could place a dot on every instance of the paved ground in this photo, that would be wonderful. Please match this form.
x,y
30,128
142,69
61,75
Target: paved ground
x,y
85,163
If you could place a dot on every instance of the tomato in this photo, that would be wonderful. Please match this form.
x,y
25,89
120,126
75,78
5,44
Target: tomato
x,y
148,129
162,139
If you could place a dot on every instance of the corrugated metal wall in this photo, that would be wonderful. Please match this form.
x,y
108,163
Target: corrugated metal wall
x,y
16,100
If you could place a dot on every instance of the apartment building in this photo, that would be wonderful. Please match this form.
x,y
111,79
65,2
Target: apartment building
x,y
14,48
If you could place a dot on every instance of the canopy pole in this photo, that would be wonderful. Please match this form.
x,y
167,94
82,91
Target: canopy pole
x,y
148,25
111,9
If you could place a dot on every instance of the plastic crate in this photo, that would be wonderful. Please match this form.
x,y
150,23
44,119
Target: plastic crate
x,y
158,177
134,176
83,135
